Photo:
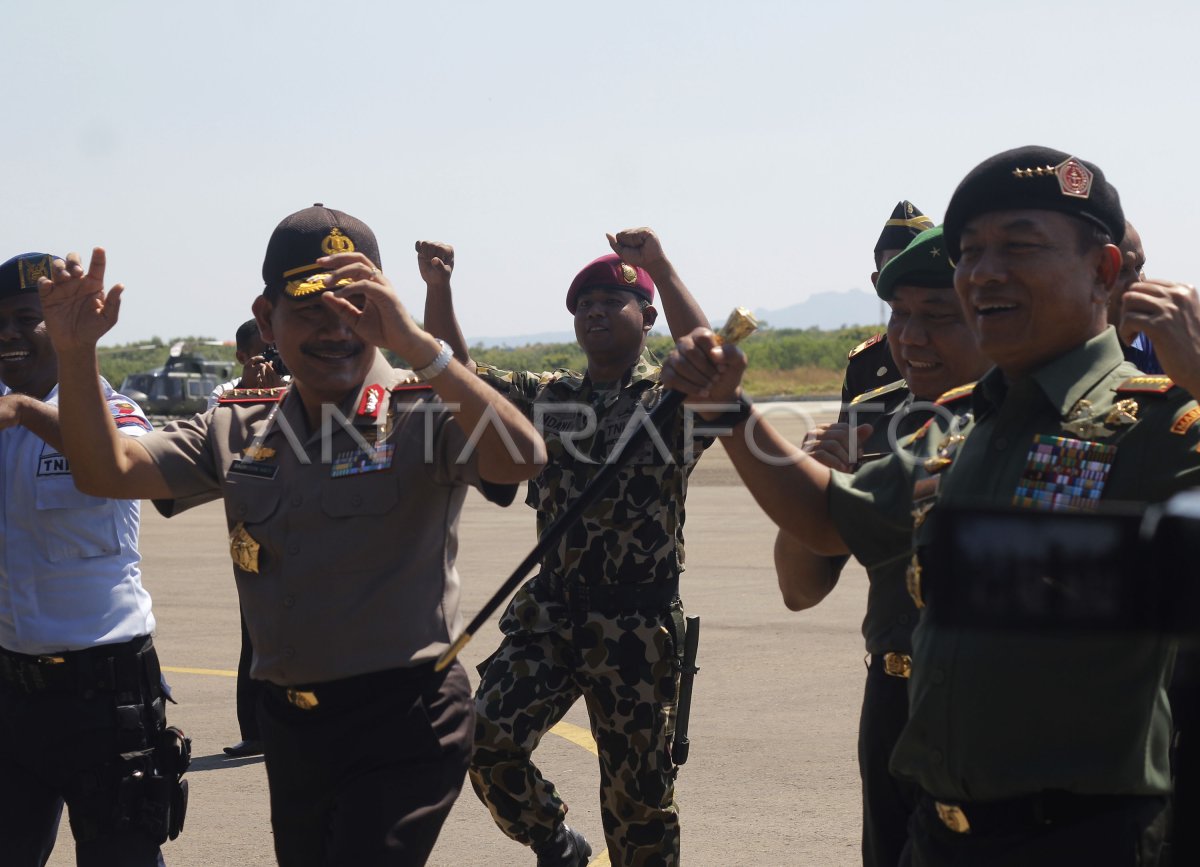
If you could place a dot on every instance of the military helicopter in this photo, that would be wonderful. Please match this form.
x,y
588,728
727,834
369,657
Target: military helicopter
x,y
181,386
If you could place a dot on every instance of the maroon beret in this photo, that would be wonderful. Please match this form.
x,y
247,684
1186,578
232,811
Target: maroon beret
x,y
609,272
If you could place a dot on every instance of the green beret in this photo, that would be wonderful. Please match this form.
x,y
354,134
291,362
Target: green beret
x,y
922,263
905,223
1035,178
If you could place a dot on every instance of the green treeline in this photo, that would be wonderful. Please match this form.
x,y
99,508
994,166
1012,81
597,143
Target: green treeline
x,y
768,349
815,357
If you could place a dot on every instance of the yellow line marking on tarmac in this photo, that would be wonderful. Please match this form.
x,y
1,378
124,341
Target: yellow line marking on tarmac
x,y
219,672
577,735
581,737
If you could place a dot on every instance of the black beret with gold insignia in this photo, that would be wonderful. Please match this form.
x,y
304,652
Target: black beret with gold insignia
x,y
1035,178
19,275
905,223
922,263
303,237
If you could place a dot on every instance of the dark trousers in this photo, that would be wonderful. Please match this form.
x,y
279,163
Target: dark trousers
x,y
1126,832
247,690
64,745
369,775
887,801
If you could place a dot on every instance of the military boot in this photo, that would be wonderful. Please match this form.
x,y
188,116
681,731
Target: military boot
x,y
566,848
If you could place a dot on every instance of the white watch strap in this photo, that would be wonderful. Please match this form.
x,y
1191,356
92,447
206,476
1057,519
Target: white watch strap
x,y
440,363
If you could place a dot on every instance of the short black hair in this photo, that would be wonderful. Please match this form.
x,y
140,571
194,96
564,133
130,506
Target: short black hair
x,y
246,334
1090,236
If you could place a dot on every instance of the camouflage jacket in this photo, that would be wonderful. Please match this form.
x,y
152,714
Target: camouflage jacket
x,y
634,534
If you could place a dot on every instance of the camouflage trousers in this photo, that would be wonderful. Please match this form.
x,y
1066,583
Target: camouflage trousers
x,y
625,669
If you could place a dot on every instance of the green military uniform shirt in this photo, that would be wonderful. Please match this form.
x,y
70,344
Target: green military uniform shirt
x,y
891,614
995,714
633,534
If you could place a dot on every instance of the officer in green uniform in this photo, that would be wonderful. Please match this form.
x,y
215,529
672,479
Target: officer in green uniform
x,y
1030,749
936,351
342,494
602,618
870,364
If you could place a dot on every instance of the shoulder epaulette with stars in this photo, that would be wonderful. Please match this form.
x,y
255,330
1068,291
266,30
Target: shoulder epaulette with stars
x,y
1146,385
866,344
411,383
252,395
955,394
879,392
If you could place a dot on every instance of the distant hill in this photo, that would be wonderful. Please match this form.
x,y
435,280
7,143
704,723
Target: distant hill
x,y
827,311
524,339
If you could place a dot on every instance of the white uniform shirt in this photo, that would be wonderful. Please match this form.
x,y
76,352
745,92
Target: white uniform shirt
x,y
69,576
215,394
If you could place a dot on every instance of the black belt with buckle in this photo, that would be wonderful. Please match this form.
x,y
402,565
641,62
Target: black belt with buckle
x,y
349,691
892,663
1032,811
613,599
106,667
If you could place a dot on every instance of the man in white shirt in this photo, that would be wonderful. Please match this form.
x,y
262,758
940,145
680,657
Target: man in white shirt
x,y
82,704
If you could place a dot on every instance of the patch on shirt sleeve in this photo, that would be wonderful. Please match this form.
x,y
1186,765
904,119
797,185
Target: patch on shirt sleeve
x,y
127,415
1185,421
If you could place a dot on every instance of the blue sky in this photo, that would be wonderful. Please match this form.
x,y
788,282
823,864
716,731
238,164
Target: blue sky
x,y
765,141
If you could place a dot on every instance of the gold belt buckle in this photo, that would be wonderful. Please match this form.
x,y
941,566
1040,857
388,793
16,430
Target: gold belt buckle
x,y
897,664
952,817
302,699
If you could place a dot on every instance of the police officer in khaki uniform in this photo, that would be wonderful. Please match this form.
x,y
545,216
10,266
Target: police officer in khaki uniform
x,y
342,494
1030,749
936,351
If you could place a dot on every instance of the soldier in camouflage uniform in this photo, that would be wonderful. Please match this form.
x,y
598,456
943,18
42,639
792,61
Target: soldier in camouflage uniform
x,y
602,619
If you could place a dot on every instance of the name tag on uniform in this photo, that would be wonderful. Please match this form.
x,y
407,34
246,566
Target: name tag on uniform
x,y
359,461
254,469
1064,474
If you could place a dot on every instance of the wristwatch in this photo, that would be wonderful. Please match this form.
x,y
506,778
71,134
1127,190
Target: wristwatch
x,y
733,417
440,363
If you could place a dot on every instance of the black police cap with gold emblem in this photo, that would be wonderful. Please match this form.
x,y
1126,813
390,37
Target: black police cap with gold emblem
x,y
19,275
290,266
922,263
906,223
1035,178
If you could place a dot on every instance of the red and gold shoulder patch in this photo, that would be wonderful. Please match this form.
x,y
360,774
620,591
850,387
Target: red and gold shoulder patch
x,y
368,407
866,344
1146,385
252,395
955,394
1185,421
411,384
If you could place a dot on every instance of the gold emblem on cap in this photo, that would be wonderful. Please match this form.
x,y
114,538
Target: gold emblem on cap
x,y
628,274
311,285
1036,171
29,271
335,242
1074,178
243,549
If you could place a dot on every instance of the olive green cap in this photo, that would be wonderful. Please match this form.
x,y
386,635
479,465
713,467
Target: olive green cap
x,y
924,262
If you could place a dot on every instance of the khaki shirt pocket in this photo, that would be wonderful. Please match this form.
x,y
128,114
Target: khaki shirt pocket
x,y
359,512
